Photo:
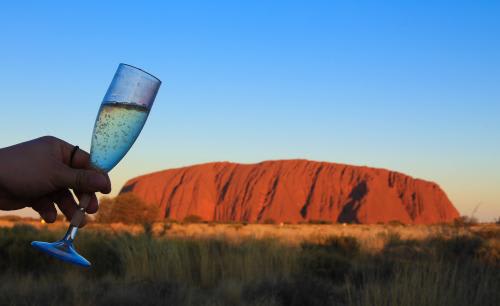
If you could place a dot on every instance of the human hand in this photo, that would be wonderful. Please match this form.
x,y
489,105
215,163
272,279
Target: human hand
x,y
37,174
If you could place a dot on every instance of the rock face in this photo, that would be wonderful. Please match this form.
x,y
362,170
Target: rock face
x,y
293,191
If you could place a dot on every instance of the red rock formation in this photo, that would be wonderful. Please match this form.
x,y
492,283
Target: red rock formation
x,y
293,191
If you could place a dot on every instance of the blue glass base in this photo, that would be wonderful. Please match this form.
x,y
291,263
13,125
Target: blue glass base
x,y
63,250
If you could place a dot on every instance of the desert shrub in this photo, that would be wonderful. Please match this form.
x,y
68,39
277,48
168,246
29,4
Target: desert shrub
x,y
320,222
193,219
331,260
127,208
148,229
395,223
489,253
456,248
167,227
391,238
489,232
407,250
464,221
236,226
345,245
269,221
319,262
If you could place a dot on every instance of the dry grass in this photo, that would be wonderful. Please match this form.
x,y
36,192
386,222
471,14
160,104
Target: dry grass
x,y
371,237
235,264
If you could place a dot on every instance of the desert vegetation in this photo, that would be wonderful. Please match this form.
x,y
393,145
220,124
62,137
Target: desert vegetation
x,y
126,208
236,264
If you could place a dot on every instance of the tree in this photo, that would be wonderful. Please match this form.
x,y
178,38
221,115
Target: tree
x,y
127,208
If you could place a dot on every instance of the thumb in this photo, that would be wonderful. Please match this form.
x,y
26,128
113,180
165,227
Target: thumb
x,y
83,180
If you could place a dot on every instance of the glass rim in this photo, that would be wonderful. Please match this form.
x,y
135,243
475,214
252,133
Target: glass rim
x,y
142,71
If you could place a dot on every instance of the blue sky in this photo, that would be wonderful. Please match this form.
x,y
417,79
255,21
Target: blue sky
x,y
412,86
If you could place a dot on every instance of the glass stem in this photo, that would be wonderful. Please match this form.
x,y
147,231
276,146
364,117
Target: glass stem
x,y
77,218
71,233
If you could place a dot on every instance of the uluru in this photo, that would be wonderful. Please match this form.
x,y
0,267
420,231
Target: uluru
x,y
292,191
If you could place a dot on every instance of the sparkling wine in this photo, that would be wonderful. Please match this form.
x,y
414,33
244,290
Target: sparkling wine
x,y
116,129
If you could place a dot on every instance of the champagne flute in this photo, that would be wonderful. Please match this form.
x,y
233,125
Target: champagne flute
x,y
121,117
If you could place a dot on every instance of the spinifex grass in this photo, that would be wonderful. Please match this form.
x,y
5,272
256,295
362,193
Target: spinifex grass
x,y
141,269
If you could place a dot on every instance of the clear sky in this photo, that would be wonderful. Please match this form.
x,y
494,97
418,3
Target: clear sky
x,y
412,86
